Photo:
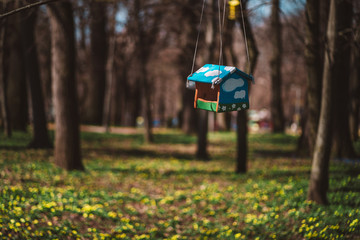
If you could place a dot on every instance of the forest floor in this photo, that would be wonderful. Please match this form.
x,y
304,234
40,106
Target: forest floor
x,y
132,190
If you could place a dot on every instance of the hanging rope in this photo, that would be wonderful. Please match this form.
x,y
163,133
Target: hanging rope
x,y
221,55
197,39
221,27
220,30
244,30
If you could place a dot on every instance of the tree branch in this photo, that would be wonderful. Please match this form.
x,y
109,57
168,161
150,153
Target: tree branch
x,y
26,7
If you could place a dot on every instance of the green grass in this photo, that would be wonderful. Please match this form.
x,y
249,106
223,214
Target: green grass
x,y
132,190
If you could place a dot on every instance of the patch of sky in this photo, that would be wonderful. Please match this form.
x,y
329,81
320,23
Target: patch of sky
x,y
121,18
261,9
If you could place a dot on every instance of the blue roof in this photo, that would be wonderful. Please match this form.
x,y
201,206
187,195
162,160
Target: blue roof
x,y
211,73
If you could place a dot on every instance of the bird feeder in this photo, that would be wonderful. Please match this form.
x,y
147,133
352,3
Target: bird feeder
x,y
220,88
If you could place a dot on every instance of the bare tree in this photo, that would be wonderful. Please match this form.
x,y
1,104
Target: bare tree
x,y
67,139
277,114
110,68
355,86
3,96
241,119
343,145
314,74
339,20
146,26
355,89
40,135
15,73
187,36
98,57
203,116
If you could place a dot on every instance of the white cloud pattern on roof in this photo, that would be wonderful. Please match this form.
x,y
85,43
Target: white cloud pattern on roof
x,y
229,69
232,83
202,69
212,73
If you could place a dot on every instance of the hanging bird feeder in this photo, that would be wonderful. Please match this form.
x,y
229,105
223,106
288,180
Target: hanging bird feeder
x,y
220,88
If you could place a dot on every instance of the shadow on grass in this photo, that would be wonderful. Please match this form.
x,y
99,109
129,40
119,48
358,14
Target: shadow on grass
x,y
277,139
274,153
100,137
163,173
280,176
161,138
14,148
174,139
139,153
347,189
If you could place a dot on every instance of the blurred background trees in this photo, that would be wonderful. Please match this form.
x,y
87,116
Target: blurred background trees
x,y
125,63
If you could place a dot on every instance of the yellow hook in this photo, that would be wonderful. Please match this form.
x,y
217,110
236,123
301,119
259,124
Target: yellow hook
x,y
232,9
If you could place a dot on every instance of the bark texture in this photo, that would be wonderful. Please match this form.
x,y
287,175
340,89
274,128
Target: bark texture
x,y
67,139
242,119
201,152
40,132
355,94
110,71
187,37
98,49
319,179
277,114
15,74
3,96
145,39
314,72
202,115
355,79
343,145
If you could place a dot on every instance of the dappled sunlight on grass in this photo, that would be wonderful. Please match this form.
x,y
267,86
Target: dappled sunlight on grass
x,y
161,191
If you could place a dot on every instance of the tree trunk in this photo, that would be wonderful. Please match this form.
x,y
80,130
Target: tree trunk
x,y
43,45
143,52
314,72
355,94
355,80
40,134
98,48
15,75
203,116
277,114
305,144
67,139
241,119
242,142
343,145
3,96
147,107
187,115
202,143
319,179
110,70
